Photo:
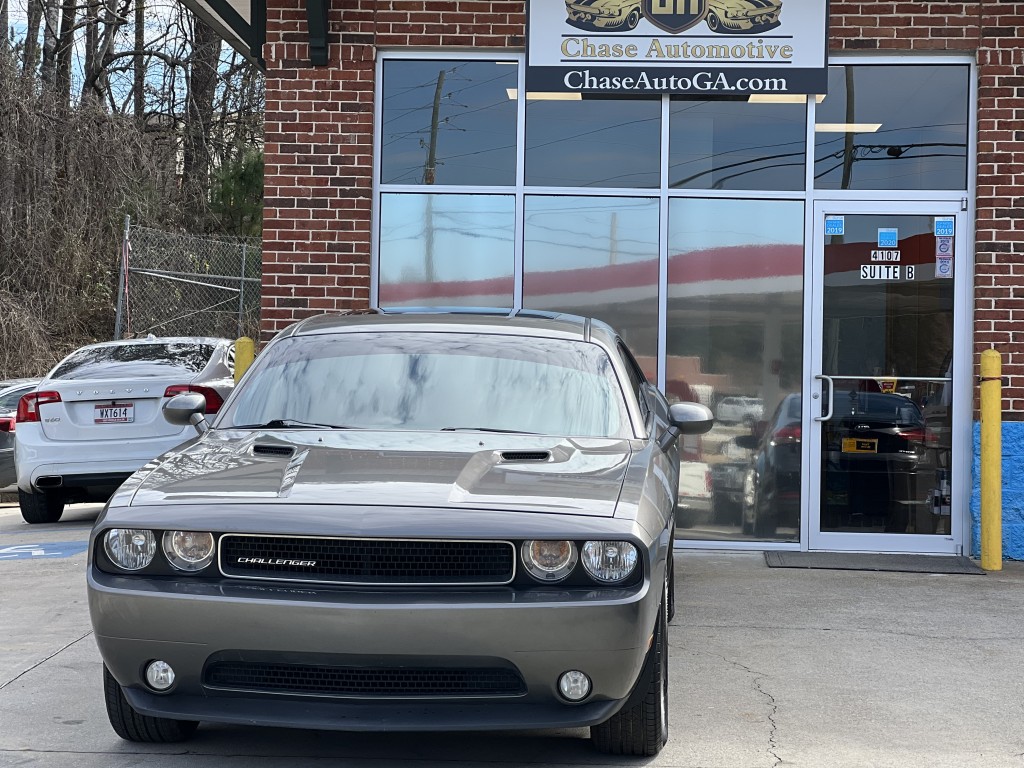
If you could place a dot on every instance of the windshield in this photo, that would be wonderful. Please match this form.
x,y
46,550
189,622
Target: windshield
x,y
124,360
434,381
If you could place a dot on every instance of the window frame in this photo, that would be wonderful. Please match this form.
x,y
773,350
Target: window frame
x,y
809,195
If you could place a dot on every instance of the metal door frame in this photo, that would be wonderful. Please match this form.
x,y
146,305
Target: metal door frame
x,y
812,538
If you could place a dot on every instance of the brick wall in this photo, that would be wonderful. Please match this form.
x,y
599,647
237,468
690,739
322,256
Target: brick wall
x,y
319,141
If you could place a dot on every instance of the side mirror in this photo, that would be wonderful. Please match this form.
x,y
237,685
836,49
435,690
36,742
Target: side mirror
x,y
187,409
686,419
691,418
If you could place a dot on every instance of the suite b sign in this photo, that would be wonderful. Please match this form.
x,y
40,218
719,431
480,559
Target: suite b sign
x,y
709,47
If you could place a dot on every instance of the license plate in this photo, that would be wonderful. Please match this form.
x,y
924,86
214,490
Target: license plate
x,y
115,413
859,445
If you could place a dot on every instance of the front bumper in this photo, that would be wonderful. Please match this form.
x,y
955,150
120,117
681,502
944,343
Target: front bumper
x,y
541,633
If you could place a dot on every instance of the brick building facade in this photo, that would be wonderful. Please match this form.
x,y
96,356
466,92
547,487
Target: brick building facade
x,y
318,244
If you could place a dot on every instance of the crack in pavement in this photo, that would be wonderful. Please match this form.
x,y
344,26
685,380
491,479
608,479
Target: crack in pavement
x,y
43,661
759,677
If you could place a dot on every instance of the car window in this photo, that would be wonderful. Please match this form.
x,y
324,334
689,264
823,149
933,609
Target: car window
x,y
892,408
9,398
435,381
793,408
118,361
636,379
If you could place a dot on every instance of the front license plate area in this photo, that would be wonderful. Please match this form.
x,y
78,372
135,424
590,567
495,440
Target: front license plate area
x,y
114,413
860,445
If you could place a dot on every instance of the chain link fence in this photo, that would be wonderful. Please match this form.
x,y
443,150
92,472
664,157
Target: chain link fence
x,y
175,284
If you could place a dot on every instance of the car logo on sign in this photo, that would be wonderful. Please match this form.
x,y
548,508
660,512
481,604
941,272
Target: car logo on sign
x,y
675,15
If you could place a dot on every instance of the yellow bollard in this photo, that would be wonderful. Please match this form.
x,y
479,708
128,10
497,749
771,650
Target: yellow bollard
x,y
245,353
991,461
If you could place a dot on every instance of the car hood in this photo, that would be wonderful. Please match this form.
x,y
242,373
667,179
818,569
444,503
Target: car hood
x,y
393,469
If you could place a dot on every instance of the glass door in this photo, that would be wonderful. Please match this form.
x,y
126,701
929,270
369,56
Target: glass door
x,y
881,397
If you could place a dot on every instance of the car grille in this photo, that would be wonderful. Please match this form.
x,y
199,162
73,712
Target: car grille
x,y
367,561
404,682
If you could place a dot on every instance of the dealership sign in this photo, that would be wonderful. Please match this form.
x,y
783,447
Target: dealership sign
x,y
711,47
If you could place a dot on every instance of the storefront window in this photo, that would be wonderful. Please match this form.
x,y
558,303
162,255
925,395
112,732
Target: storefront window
x,y
734,343
448,122
446,250
736,144
893,127
593,142
597,256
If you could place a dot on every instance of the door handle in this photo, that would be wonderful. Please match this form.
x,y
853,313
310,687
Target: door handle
x,y
831,388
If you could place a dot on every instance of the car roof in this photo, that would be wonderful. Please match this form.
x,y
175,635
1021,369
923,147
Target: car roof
x,y
12,383
459,320
158,340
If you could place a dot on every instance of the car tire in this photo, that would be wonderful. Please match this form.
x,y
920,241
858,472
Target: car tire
x,y
40,507
641,726
632,19
131,726
765,523
714,23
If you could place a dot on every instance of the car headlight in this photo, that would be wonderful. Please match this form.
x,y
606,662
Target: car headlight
x,y
130,548
189,550
549,561
609,561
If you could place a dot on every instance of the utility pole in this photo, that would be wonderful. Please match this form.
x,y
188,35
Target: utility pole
x,y
429,176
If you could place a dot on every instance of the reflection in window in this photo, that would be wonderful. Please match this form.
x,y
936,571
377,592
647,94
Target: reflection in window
x,y
893,127
448,122
446,250
734,343
131,360
597,256
437,381
596,142
736,144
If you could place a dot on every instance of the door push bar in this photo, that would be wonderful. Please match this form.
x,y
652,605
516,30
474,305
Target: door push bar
x,y
831,389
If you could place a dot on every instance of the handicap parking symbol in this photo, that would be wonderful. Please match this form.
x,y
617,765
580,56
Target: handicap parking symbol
x,y
36,551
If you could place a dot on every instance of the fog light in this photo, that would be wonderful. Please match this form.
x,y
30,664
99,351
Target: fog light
x,y
159,675
574,685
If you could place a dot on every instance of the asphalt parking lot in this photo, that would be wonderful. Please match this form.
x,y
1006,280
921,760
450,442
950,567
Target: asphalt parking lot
x,y
769,667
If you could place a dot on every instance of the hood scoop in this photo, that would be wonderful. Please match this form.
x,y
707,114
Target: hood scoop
x,y
278,451
526,455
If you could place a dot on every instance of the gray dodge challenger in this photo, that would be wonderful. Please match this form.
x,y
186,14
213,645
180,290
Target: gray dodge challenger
x,y
403,522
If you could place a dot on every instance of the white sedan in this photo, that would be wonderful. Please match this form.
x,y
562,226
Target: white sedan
x,y
95,418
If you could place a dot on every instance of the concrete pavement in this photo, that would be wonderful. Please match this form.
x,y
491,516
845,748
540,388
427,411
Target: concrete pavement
x,y
769,667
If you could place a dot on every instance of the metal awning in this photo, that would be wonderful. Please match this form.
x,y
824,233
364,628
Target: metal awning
x,y
243,24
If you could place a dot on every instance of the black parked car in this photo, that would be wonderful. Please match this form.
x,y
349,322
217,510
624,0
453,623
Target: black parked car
x,y
879,462
771,488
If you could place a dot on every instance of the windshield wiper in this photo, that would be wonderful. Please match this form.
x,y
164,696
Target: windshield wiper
x,y
290,424
488,429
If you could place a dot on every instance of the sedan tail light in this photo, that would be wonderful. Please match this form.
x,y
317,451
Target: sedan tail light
x,y
919,435
28,406
7,424
213,399
788,434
